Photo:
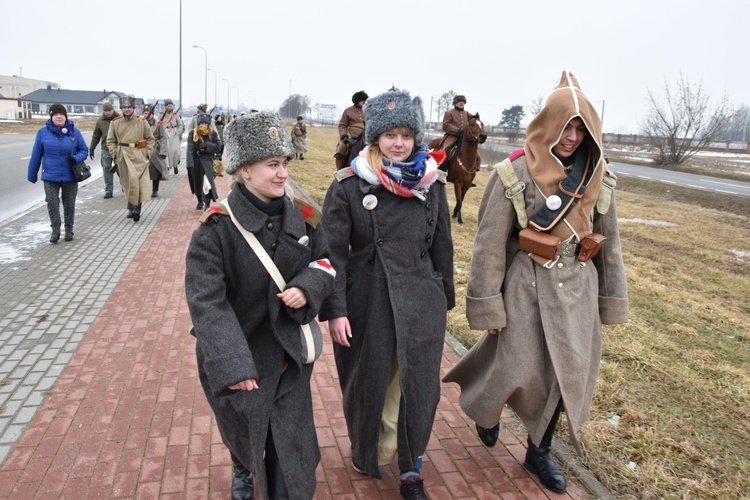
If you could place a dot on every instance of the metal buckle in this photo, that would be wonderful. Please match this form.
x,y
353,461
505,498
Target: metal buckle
x,y
568,249
515,190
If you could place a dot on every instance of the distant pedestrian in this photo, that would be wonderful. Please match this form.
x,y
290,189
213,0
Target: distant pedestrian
x,y
351,127
251,358
174,127
299,138
51,151
131,144
158,166
219,124
100,134
202,144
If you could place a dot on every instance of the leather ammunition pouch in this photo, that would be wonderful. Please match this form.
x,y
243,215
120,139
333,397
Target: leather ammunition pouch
x,y
590,246
541,244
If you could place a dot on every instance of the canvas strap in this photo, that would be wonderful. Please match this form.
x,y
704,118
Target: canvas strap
x,y
268,263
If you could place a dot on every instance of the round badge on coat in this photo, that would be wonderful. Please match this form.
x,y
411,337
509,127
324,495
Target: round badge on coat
x,y
554,202
370,202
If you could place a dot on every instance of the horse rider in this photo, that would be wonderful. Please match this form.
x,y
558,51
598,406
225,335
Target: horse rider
x,y
455,122
351,126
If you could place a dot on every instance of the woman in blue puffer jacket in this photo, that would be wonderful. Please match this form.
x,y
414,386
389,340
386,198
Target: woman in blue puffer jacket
x,y
52,149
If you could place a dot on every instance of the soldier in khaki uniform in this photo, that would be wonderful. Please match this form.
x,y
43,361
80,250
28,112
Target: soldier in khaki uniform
x,y
351,126
131,143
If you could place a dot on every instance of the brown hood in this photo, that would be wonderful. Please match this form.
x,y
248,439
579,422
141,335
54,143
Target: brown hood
x,y
565,103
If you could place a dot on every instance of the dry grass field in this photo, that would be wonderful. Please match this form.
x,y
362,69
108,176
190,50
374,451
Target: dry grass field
x,y
671,415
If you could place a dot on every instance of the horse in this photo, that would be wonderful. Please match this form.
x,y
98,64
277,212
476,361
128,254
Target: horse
x,y
463,160
354,146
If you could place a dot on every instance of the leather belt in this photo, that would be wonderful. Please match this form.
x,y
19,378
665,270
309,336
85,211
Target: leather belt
x,y
569,249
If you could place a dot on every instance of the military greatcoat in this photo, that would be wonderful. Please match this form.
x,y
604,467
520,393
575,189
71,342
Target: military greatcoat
x,y
394,283
244,331
551,339
131,160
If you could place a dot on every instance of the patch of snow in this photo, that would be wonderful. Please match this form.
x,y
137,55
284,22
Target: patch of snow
x,y
614,419
632,465
646,221
740,254
16,245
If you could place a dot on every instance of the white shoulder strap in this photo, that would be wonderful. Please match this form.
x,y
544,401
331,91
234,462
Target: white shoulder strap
x,y
274,272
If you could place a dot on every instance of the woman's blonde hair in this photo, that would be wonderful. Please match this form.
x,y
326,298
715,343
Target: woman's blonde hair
x,y
375,154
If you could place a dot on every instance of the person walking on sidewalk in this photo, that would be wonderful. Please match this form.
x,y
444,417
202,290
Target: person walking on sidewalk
x,y
158,166
544,313
100,134
202,144
299,138
52,152
174,127
388,226
248,344
131,144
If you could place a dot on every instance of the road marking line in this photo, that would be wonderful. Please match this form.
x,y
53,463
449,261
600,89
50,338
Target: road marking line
x,y
26,157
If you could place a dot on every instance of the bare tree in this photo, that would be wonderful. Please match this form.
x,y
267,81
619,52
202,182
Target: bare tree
x,y
738,128
536,105
685,122
444,102
294,105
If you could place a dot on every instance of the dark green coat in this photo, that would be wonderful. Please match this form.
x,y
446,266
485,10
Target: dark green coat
x,y
244,331
394,282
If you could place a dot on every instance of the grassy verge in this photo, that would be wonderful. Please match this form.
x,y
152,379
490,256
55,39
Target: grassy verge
x,y
676,376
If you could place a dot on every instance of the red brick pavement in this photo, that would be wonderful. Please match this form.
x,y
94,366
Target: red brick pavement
x,y
127,417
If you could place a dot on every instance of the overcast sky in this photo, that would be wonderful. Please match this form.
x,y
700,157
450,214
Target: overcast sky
x,y
497,53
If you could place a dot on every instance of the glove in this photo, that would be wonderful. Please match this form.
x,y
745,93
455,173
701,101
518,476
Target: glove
x,y
344,137
202,145
91,154
175,171
71,161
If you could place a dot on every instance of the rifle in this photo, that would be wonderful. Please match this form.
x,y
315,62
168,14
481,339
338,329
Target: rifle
x,y
212,109
170,116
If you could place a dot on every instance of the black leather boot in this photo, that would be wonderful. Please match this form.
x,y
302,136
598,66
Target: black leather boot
x,y
130,213
488,436
539,461
539,458
137,213
55,236
242,483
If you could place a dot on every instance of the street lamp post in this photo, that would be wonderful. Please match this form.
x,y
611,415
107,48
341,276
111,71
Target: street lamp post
x,y
216,101
252,102
228,105
205,75
238,97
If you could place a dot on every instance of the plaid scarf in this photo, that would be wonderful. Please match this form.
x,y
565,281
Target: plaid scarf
x,y
408,179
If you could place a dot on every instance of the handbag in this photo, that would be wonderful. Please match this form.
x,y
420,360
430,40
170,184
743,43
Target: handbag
x,y
81,171
310,334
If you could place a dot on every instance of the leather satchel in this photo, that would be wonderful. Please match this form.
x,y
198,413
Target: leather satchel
x,y
542,244
590,246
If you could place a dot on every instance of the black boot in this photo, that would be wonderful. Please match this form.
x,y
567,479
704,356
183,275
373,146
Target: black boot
x,y
137,213
130,213
488,436
539,459
301,157
242,483
55,236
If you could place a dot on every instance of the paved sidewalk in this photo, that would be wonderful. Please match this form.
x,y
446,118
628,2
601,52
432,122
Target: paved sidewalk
x,y
102,397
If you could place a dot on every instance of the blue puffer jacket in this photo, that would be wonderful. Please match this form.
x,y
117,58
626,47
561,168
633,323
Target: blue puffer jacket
x,y
52,147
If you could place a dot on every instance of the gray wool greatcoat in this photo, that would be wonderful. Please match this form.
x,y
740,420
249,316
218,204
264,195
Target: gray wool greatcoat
x,y
551,339
244,331
394,282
